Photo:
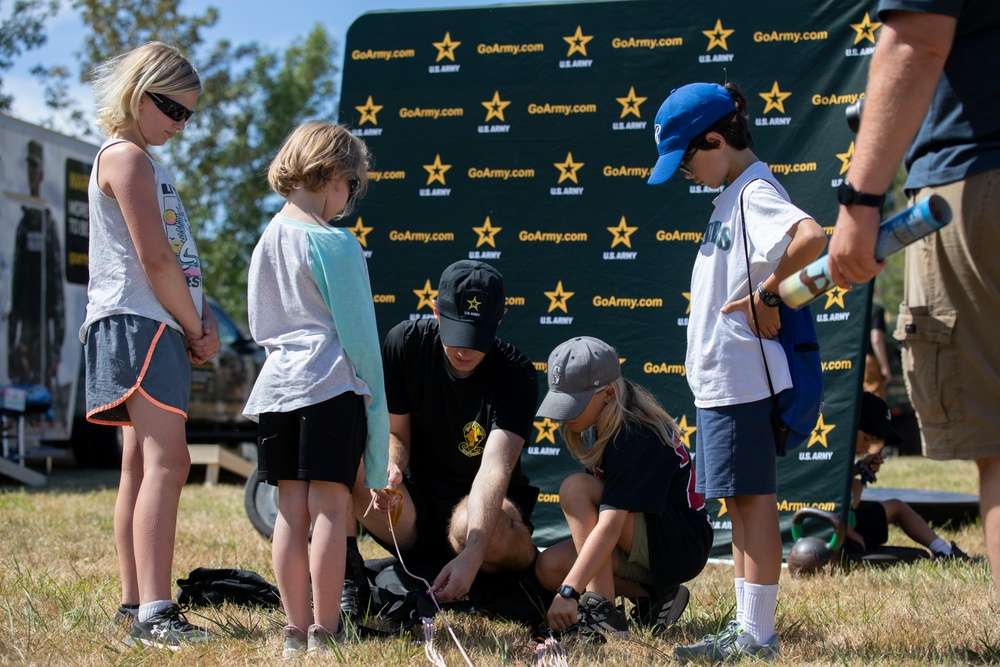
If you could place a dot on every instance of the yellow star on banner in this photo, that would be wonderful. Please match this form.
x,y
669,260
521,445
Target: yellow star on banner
x,y
717,36
427,295
845,159
775,99
436,170
495,107
361,232
487,233
558,298
546,430
835,296
819,433
368,112
630,104
622,233
866,29
474,304
686,431
577,42
446,48
687,295
722,508
568,169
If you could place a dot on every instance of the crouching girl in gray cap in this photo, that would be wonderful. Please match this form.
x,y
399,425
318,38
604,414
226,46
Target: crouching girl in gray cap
x,y
638,527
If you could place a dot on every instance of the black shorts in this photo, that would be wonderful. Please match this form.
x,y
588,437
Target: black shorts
x,y
871,522
322,442
434,515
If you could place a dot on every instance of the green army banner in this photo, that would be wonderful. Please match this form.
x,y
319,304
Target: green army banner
x,y
522,135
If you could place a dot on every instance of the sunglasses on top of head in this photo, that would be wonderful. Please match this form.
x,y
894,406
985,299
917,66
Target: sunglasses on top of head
x,y
172,110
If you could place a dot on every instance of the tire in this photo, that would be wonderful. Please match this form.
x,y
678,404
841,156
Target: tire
x,y
261,502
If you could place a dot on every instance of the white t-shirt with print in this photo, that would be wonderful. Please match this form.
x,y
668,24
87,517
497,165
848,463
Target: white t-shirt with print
x,y
724,364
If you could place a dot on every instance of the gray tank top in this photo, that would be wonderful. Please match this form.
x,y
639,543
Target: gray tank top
x,y
118,284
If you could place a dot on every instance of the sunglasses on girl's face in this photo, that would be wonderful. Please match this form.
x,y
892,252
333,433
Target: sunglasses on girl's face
x,y
353,183
172,110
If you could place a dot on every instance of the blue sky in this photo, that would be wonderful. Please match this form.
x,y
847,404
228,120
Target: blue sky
x,y
239,21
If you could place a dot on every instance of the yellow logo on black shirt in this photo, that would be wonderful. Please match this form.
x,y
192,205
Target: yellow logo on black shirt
x,y
474,435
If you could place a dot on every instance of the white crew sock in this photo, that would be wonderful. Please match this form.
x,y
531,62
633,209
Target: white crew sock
x,y
940,548
150,609
740,603
758,615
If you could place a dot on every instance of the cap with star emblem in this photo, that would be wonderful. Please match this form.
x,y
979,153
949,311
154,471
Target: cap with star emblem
x,y
470,302
876,419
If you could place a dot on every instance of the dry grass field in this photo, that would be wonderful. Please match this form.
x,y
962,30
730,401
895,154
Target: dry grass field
x,y
59,590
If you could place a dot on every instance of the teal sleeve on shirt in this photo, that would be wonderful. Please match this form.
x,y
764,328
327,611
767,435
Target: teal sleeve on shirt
x,y
342,276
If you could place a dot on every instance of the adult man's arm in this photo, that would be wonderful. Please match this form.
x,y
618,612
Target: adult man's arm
x,y
399,458
485,504
906,66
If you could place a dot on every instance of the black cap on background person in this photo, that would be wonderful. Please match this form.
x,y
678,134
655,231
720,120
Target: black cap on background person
x,y
470,302
876,419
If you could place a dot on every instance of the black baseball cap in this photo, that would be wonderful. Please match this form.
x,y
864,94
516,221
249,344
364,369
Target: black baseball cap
x,y
876,419
470,303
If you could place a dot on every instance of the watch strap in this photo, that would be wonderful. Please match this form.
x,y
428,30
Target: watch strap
x,y
568,591
847,195
768,298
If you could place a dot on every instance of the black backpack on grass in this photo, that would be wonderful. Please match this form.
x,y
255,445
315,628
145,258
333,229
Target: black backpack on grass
x,y
212,586
403,600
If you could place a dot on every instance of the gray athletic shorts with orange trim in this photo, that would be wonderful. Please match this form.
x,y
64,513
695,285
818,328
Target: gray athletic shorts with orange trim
x,y
129,353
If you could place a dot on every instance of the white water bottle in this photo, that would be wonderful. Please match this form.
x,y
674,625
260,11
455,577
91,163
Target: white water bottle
x,y
926,216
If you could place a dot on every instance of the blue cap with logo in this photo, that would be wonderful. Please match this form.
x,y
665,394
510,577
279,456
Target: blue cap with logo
x,y
686,113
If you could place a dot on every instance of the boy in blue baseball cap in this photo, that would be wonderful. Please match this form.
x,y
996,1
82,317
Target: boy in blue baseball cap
x,y
754,239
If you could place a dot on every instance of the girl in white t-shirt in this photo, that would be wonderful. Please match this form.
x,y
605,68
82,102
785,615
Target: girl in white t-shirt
x,y
702,130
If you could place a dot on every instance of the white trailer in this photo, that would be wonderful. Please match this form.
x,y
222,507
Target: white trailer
x,y
44,229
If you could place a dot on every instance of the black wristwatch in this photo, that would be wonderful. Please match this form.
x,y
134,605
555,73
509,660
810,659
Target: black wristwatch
x,y
768,298
568,591
847,195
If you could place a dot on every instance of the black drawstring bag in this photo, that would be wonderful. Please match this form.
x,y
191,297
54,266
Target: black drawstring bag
x,y
212,586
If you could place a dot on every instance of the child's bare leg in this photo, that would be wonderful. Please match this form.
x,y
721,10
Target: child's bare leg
x,y
899,513
761,543
166,463
328,505
128,491
580,498
290,551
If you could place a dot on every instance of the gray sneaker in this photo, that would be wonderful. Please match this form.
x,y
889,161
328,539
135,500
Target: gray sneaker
x,y
710,646
321,640
746,646
167,629
600,617
658,615
294,642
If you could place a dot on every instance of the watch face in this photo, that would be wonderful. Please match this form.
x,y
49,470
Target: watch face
x,y
569,592
845,193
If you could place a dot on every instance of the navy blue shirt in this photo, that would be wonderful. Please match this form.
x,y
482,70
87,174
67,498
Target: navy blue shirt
x,y
960,135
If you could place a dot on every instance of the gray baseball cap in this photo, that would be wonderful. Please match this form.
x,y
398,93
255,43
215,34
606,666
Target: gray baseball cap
x,y
577,369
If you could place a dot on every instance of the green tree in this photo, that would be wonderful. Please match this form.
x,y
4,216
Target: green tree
x,y
251,98
23,30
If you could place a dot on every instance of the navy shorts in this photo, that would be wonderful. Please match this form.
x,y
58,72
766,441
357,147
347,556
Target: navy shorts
x,y
735,454
128,353
322,442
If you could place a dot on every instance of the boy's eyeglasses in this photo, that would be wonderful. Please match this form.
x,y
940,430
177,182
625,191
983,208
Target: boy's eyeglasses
x,y
683,166
172,110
